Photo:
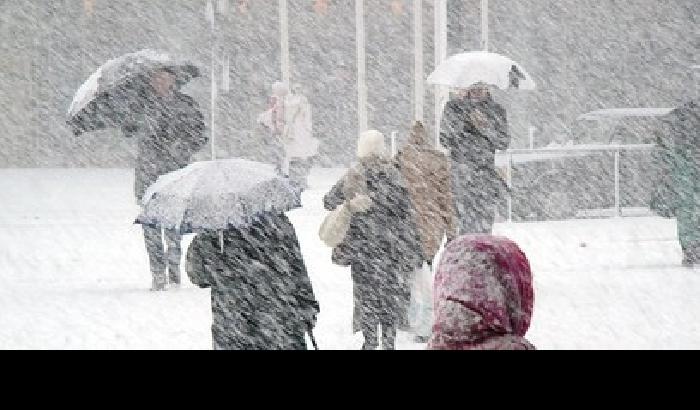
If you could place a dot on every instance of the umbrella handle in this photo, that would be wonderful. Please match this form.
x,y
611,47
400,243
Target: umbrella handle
x,y
221,240
313,339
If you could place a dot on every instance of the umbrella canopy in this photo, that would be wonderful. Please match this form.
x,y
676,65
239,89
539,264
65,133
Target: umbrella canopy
x,y
110,94
217,195
466,69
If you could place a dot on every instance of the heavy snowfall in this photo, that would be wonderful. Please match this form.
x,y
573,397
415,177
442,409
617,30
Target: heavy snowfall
x,y
349,174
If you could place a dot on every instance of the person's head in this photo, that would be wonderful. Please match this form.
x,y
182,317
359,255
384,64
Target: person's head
x,y
297,89
163,81
279,89
418,135
478,92
371,144
483,293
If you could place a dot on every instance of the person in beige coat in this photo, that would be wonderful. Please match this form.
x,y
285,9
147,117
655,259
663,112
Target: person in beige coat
x,y
427,175
381,245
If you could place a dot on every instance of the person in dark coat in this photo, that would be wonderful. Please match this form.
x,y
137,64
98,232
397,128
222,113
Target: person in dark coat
x,y
382,245
678,191
261,294
473,127
171,130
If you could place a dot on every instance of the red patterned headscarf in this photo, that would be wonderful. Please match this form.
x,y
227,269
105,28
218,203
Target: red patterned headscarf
x,y
483,295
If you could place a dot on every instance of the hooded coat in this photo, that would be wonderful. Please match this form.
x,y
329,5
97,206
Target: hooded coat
x,y
483,296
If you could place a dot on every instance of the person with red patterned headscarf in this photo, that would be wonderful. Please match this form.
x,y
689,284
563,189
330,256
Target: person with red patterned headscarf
x,y
483,296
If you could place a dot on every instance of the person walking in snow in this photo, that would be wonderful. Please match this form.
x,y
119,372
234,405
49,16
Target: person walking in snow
x,y
473,128
381,245
289,121
261,294
171,131
678,193
427,174
484,296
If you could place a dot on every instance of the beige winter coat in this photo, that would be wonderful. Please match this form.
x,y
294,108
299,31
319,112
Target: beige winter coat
x,y
427,175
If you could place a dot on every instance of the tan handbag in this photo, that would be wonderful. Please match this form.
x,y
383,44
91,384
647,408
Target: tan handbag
x,y
335,226
337,222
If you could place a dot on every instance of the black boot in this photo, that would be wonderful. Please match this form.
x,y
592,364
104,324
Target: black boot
x,y
158,283
370,334
691,256
174,276
389,337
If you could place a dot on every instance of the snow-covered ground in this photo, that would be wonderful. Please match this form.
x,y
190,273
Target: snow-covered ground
x,y
74,274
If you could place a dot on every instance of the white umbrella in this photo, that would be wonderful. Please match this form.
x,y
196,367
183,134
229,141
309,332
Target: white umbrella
x,y
217,195
466,69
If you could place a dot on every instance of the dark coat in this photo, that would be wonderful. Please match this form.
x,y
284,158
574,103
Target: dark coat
x,y
171,132
681,180
261,294
473,130
382,245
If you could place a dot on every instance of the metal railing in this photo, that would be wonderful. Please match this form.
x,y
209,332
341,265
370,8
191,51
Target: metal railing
x,y
513,156
523,155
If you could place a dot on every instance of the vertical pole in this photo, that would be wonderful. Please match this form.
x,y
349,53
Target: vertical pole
x,y
418,59
440,10
213,102
361,65
284,41
509,181
485,25
393,143
617,183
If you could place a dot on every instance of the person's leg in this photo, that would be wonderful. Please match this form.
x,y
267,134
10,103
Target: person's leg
x,y
156,256
369,332
458,199
174,252
687,221
388,336
695,256
285,163
691,252
424,310
299,171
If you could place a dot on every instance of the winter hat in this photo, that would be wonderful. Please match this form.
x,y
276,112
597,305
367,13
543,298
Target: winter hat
x,y
371,143
280,89
478,86
418,135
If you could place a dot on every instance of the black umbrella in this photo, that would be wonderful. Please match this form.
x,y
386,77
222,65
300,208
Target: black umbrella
x,y
112,94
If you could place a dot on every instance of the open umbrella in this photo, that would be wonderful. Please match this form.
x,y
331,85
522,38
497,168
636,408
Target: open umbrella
x,y
466,69
111,94
217,195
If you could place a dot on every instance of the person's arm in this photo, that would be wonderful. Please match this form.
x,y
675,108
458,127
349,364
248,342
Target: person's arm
x,y
195,266
448,126
407,229
446,200
306,304
335,196
194,126
502,133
